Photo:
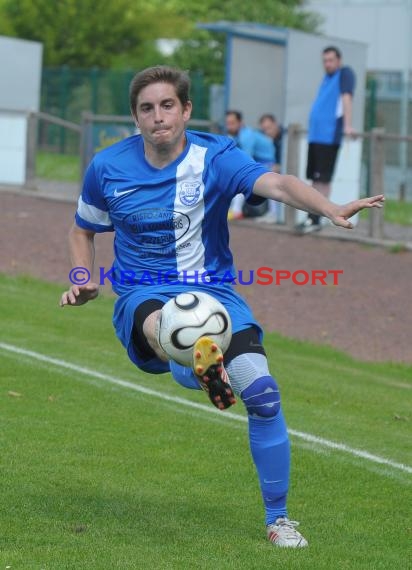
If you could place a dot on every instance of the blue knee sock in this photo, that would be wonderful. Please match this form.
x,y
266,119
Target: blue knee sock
x,y
269,445
184,376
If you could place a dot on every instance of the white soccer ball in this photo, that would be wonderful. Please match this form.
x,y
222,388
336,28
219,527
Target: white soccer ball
x,y
186,318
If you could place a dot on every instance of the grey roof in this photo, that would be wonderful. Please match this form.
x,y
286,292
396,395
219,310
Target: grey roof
x,y
248,29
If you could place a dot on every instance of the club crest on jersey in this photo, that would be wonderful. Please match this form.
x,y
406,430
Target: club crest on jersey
x,y
189,193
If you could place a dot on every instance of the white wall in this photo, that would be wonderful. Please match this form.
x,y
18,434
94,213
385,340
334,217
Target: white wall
x,y
20,64
385,26
13,136
20,77
257,79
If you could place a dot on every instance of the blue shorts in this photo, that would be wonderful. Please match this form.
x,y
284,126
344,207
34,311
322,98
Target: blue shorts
x,y
125,306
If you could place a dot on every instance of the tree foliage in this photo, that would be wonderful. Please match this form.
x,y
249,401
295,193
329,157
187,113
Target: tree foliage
x,y
288,13
120,33
86,33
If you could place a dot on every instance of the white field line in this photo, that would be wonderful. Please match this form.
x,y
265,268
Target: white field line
x,y
317,441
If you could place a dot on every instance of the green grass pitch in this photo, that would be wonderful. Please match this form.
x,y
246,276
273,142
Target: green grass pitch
x,y
96,475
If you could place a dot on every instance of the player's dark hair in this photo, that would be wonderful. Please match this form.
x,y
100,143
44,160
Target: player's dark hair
x,y
237,114
159,74
335,50
267,116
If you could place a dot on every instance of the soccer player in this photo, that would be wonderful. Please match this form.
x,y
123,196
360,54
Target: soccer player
x,y
330,118
166,193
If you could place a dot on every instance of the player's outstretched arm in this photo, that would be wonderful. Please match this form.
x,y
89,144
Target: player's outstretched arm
x,y
82,290
292,191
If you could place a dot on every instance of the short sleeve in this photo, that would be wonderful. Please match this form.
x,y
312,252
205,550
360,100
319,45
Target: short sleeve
x,y
92,213
236,172
347,81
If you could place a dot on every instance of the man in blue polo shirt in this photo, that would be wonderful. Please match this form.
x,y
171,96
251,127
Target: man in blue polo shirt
x,y
330,118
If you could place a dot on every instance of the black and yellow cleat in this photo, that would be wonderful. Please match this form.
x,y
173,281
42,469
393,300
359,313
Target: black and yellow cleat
x,y
211,374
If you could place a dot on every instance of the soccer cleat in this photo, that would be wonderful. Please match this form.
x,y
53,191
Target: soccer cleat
x,y
211,374
283,533
307,227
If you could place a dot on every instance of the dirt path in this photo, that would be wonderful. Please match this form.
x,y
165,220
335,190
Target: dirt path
x,y
368,314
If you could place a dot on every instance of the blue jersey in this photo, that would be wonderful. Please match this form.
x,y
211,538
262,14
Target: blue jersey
x,y
257,145
326,116
171,221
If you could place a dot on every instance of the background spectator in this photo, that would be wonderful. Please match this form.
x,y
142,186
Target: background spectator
x,y
330,118
257,145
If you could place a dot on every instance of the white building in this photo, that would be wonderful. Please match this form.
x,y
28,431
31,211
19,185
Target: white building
x,y
385,25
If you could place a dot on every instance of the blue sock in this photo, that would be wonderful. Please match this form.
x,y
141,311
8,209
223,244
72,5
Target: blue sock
x,y
269,445
184,375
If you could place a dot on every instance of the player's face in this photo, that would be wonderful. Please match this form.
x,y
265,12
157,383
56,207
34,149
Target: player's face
x,y
161,116
232,125
331,62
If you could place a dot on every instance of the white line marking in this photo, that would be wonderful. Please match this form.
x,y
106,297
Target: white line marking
x,y
320,441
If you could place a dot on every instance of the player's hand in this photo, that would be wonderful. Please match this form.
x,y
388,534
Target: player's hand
x,y
79,294
342,213
350,132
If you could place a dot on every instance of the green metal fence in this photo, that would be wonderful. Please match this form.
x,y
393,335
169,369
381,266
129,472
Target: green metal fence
x,y
389,106
67,92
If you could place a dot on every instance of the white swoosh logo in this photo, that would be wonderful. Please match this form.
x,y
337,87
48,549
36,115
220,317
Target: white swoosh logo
x,y
116,194
277,481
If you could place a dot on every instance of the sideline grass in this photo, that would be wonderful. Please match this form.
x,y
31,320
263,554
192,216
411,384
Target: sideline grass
x,y
96,476
394,212
55,166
